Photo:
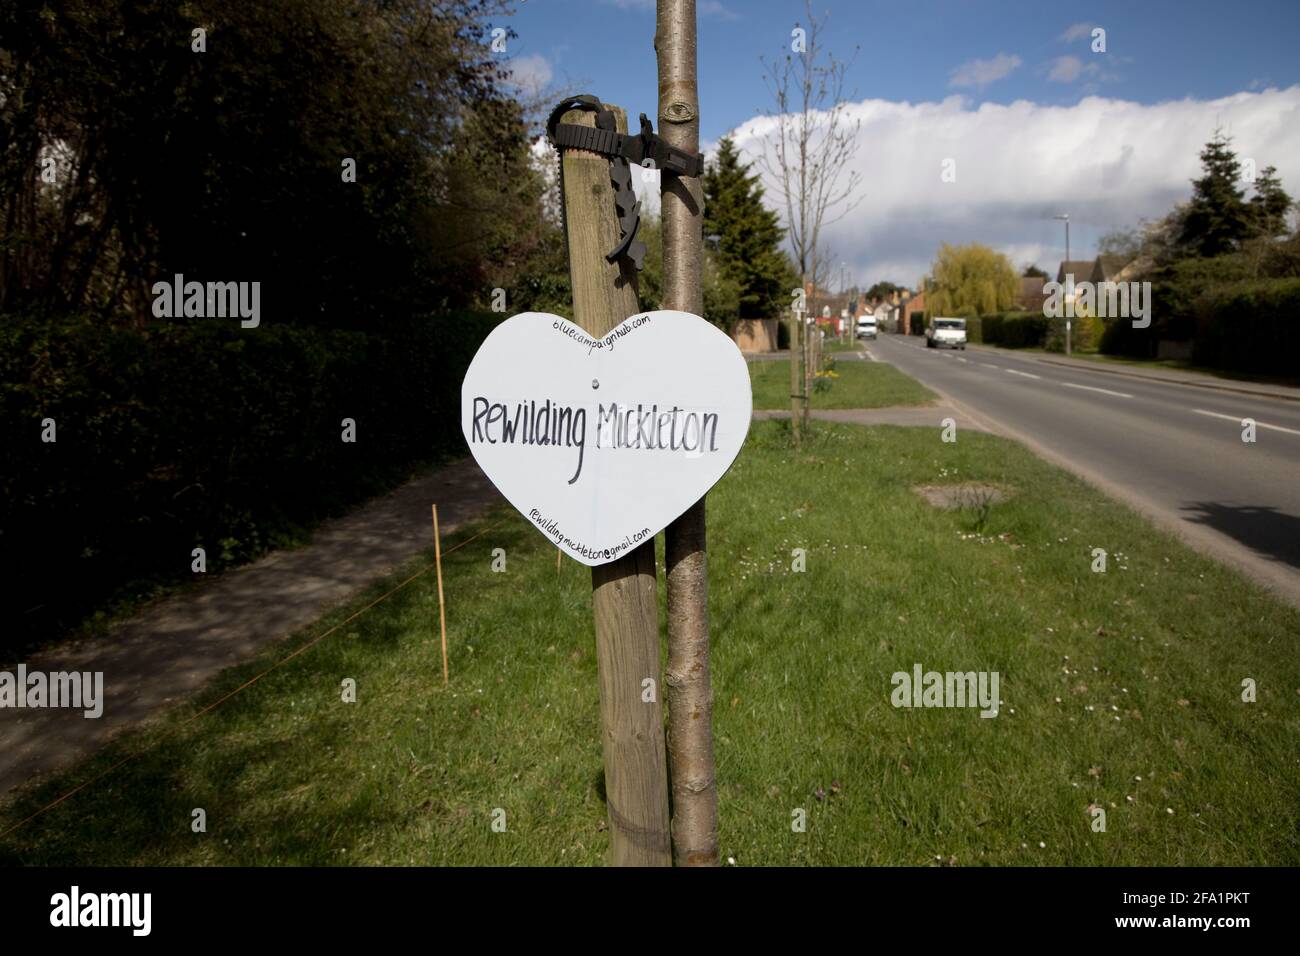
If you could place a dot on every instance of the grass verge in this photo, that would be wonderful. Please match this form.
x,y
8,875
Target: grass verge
x,y
836,345
1120,689
859,384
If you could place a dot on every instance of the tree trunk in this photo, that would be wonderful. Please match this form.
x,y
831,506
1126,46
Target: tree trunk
x,y
690,695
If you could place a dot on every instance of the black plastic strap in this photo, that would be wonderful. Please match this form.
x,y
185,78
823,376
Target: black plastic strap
x,y
644,149
636,148
572,136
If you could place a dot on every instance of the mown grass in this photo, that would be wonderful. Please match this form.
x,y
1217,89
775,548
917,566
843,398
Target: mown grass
x,y
1120,689
839,345
859,384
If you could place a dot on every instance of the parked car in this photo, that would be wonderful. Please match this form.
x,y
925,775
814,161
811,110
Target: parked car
x,y
946,333
867,326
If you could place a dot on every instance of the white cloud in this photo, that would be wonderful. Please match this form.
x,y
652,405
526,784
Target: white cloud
x,y
1107,162
531,73
980,73
1076,31
1067,69
714,8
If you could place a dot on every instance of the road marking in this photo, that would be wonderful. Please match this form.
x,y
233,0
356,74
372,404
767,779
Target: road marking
x,y
987,365
871,355
1092,388
1012,371
960,359
1239,418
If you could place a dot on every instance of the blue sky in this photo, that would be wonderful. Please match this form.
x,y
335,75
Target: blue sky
x,y
909,49
999,72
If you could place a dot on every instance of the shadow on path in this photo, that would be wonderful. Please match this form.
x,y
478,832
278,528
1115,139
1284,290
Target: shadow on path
x,y
173,648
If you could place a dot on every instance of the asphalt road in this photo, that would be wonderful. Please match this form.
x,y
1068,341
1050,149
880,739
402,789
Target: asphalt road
x,y
1174,452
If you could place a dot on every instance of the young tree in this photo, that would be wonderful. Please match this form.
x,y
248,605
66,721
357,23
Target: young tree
x,y
815,141
748,235
809,161
1218,218
971,280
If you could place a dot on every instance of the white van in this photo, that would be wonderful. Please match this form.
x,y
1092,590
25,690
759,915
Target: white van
x,y
946,333
867,326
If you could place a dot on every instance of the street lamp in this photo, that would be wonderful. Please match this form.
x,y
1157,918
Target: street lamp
x,y
1066,217
844,322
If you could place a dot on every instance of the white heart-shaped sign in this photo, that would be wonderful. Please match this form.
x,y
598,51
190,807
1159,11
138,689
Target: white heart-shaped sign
x,y
601,443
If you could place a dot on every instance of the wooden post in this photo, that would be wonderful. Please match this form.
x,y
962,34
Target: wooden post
x,y
624,592
442,607
796,378
690,693
806,355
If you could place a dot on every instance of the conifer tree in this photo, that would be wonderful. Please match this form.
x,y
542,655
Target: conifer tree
x,y
1217,217
1270,204
748,235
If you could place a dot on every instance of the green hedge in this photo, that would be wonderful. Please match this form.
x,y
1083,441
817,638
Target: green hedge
x,y
200,434
1245,326
1015,330
1120,338
1250,327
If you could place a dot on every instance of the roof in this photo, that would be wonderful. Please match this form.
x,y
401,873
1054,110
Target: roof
x,y
1111,266
1081,269
1031,292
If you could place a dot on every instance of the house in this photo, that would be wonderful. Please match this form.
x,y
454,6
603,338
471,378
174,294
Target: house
x,y
1031,296
1108,268
755,335
913,313
1080,270
883,312
1120,268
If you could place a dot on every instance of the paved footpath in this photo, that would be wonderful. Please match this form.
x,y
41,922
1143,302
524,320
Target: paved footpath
x,y
172,649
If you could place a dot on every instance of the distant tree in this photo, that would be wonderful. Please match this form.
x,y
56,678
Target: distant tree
x,y
1218,218
749,235
883,290
1270,204
1124,243
971,280
1033,272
